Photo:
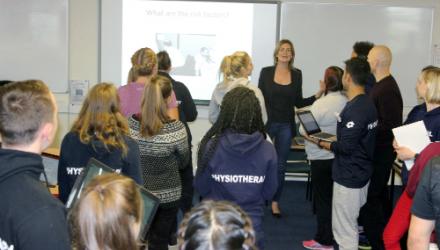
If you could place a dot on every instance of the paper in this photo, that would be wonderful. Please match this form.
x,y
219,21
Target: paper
x,y
413,136
78,91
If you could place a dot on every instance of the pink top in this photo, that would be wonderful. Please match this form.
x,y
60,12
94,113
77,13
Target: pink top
x,y
130,96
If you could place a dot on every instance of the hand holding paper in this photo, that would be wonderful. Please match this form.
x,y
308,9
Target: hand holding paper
x,y
413,136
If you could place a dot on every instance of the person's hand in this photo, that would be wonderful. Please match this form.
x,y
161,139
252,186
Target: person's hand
x,y
321,89
404,153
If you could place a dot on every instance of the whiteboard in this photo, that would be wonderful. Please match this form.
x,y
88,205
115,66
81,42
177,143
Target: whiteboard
x,y
323,35
33,43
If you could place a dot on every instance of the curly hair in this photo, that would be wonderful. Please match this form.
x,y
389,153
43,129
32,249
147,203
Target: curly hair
x,y
240,112
217,225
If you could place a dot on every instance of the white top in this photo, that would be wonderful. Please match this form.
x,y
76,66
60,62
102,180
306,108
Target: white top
x,y
224,87
326,111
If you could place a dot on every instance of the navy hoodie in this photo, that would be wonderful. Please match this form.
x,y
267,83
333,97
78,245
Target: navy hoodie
x,y
242,170
354,148
74,156
30,218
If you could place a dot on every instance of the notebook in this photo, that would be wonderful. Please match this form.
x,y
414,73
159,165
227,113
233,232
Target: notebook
x,y
95,168
311,127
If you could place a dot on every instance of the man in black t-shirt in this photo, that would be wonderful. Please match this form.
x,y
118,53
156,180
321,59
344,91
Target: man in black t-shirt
x,y
426,207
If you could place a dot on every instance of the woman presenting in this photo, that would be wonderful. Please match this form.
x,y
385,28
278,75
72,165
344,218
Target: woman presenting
x,y
281,85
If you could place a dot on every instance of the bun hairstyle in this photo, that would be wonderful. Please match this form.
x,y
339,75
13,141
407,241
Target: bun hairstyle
x,y
333,79
108,214
217,225
233,65
143,63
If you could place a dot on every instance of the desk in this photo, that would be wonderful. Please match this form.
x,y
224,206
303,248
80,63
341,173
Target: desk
x,y
53,153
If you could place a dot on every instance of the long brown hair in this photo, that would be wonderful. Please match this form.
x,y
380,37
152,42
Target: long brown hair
x,y
143,63
154,111
107,214
100,118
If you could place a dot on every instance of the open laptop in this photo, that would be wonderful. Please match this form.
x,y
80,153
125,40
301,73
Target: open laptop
x,y
311,127
95,168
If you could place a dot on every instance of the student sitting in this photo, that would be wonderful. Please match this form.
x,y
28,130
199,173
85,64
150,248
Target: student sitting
x,y
235,161
108,214
101,132
216,225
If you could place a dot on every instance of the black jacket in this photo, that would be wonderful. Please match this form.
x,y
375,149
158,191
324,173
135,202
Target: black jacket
x,y
30,218
266,84
187,107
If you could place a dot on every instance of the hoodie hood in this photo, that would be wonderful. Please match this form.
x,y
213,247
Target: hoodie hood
x,y
13,162
241,144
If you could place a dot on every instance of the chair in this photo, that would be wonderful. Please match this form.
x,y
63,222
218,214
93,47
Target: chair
x,y
298,166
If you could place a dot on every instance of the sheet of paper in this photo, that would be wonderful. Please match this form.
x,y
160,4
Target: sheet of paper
x,y
414,136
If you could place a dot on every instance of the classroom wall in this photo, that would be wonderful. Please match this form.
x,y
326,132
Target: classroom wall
x,y
84,21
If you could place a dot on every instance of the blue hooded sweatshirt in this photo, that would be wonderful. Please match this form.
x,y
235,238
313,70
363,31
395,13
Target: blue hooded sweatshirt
x,y
243,170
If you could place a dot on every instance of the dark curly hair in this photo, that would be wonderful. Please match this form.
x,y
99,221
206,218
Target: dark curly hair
x,y
217,225
240,112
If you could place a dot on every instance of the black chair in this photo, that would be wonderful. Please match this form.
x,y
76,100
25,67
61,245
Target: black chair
x,y
298,166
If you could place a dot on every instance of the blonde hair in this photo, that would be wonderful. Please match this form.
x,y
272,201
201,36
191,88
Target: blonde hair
x,y
100,118
106,214
277,49
432,80
154,110
143,63
233,65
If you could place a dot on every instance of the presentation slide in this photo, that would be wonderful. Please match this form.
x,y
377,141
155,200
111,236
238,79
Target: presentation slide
x,y
197,35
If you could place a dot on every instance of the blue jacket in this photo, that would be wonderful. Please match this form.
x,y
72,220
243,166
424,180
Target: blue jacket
x,y
431,120
74,156
243,170
354,148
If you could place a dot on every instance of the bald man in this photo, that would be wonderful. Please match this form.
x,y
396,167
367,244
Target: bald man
x,y
389,105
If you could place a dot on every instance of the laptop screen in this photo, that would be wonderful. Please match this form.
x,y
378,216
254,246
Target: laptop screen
x,y
308,122
95,168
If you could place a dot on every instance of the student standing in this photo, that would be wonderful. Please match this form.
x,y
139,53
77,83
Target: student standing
x,y
428,86
101,132
236,69
187,113
235,161
144,67
163,146
389,105
354,148
281,86
30,217
325,110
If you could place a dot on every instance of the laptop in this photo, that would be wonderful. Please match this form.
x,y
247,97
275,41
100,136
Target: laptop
x,y
95,168
311,127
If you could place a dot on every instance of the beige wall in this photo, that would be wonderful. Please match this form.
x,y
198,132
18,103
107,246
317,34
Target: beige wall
x,y
84,53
